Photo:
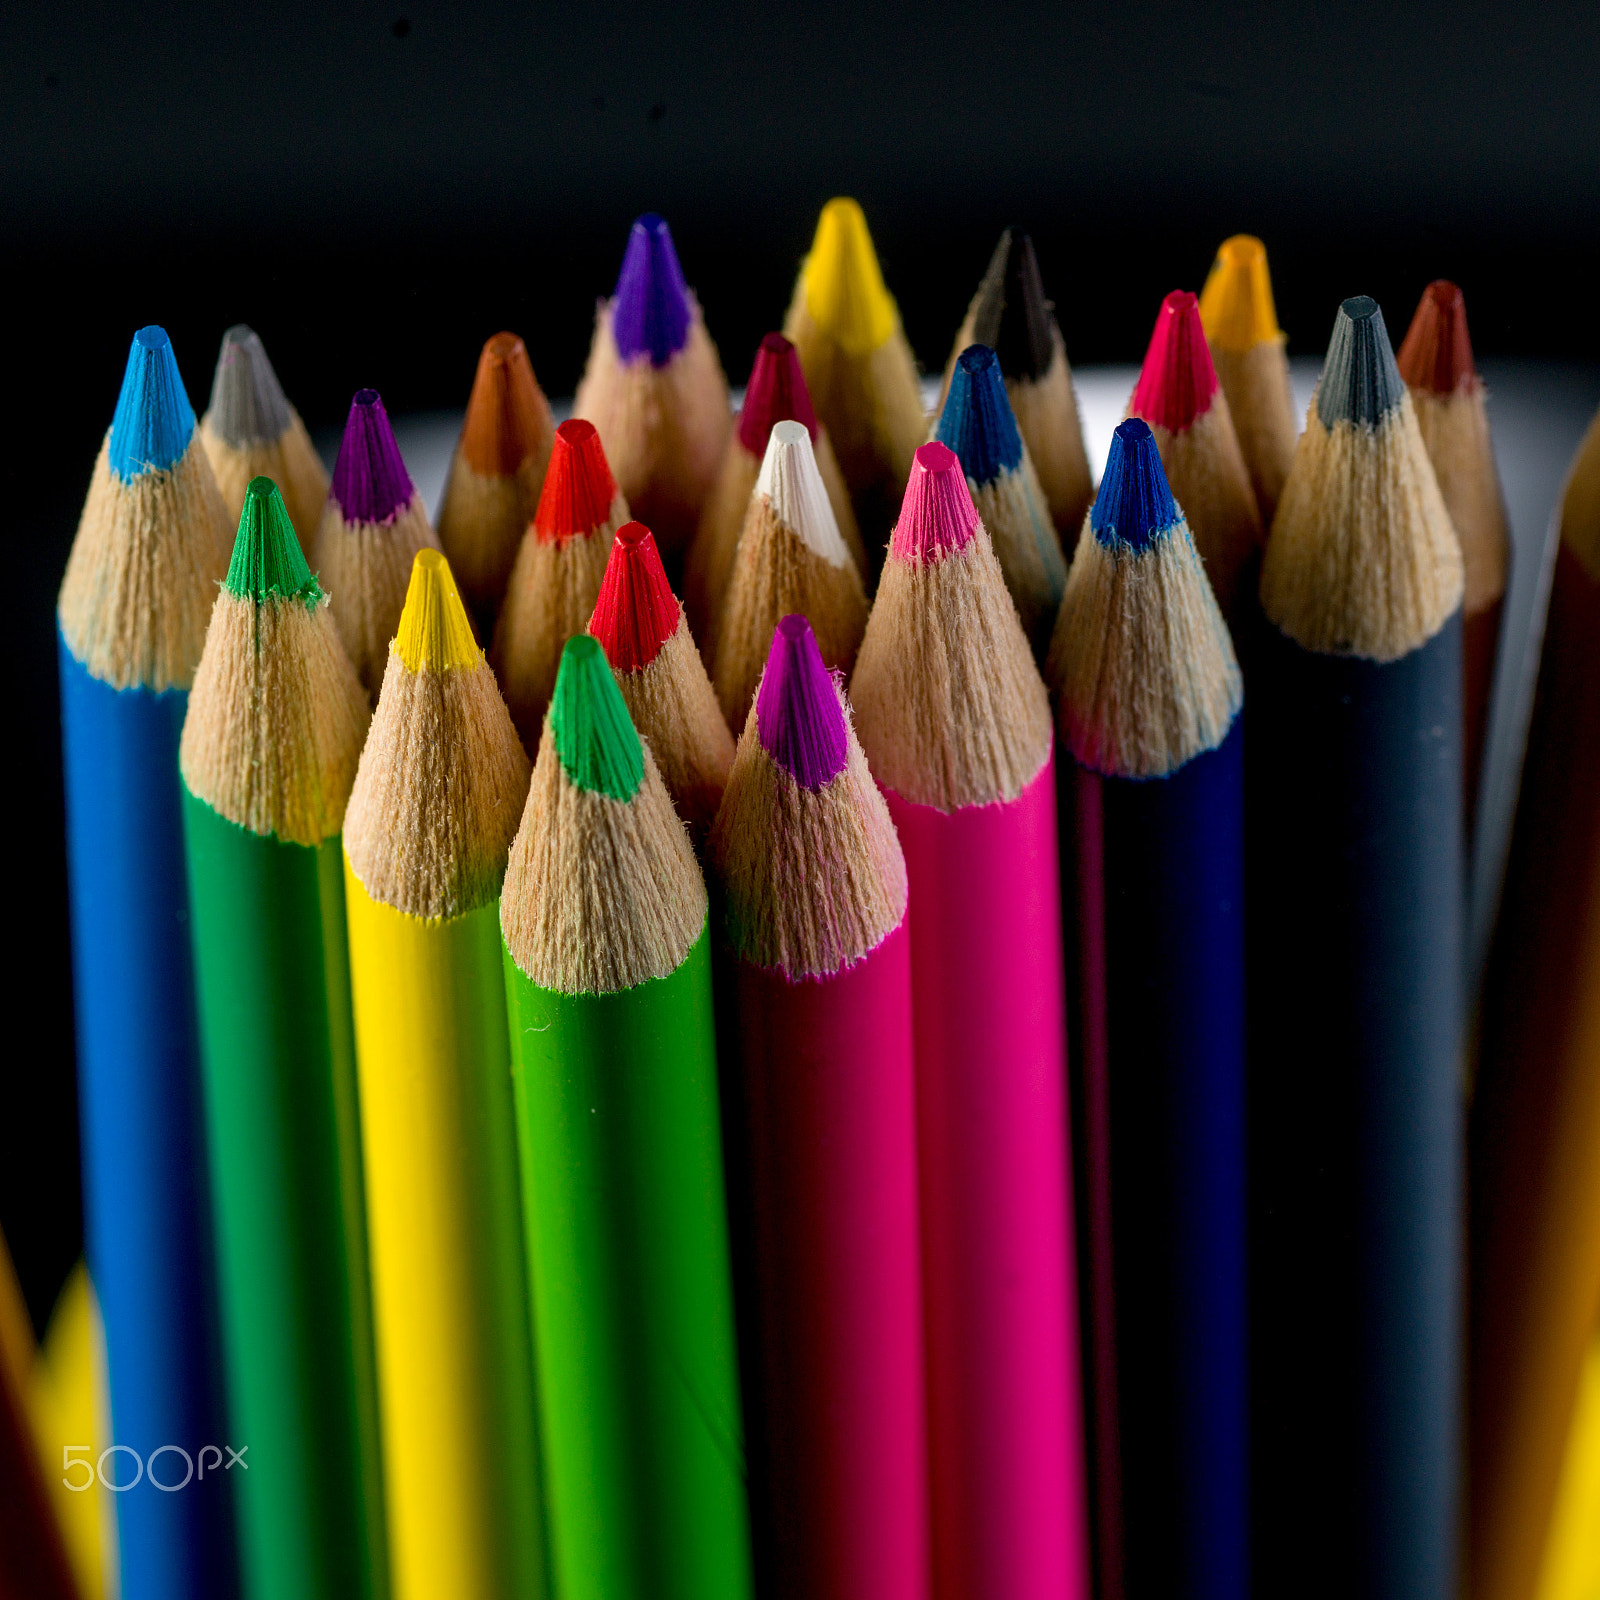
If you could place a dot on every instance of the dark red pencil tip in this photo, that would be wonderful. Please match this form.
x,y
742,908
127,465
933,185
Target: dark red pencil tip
x,y
636,612
1177,380
776,393
1437,352
578,487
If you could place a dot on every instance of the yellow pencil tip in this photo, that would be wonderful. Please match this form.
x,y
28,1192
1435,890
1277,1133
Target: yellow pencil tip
x,y
844,284
434,631
1236,304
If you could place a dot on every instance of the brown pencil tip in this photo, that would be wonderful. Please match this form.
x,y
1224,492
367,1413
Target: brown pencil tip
x,y
503,415
1437,352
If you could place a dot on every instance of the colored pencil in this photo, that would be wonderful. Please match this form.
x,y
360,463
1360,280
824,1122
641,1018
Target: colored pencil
x,y
815,891
557,574
655,390
1355,799
1570,1568
645,635
791,558
1247,346
491,490
1435,359
1178,395
269,751
955,723
251,431
436,800
1535,1182
613,1056
978,425
1150,699
1011,315
373,524
150,548
776,393
859,368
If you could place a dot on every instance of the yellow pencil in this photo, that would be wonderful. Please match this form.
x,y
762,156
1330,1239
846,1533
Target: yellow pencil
x,y
435,804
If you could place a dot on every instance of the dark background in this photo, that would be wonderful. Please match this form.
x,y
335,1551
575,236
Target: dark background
x,y
376,188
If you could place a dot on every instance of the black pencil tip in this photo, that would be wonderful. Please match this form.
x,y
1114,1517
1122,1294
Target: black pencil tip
x,y
1011,314
1360,381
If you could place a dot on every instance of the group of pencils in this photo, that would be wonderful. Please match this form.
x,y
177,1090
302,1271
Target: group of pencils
x,y
607,1096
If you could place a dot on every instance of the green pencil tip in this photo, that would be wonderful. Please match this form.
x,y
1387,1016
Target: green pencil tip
x,y
589,720
267,559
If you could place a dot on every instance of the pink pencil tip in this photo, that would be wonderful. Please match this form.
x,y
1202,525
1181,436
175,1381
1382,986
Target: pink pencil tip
x,y
1178,378
937,516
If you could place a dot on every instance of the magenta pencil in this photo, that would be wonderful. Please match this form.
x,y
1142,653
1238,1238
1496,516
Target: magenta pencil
x,y
956,725
815,890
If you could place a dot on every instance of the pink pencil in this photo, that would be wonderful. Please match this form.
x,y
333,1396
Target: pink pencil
x,y
956,725
815,888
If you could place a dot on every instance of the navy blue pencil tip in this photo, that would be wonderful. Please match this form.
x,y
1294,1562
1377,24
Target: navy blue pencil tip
x,y
650,313
153,421
1360,381
977,422
1135,502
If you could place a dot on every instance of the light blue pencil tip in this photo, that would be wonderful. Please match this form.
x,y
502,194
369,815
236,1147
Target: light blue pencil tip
x,y
154,420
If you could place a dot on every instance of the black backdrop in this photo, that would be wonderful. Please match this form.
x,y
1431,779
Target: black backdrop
x,y
376,188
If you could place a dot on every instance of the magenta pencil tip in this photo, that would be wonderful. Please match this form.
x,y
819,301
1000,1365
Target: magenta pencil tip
x,y
798,716
937,516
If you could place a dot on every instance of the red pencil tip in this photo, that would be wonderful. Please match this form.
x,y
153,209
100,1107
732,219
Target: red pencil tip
x,y
1177,380
776,393
937,516
578,487
636,612
1437,352
502,425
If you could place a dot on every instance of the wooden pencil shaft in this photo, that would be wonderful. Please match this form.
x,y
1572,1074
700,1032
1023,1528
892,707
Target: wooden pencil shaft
x,y
273,988
1356,911
626,1228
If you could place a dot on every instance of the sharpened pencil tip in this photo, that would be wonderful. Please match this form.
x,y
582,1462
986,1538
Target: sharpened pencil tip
x,y
798,716
636,611
1011,314
504,410
370,481
1360,382
845,292
434,631
1135,503
594,736
153,421
776,392
937,516
578,487
1436,353
650,311
977,422
248,405
267,561
1236,303
1177,381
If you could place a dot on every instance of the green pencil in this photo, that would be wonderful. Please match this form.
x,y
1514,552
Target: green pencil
x,y
608,981
269,751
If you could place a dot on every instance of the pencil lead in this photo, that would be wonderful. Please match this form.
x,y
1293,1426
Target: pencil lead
x,y
1177,381
1011,314
1360,381
594,736
248,405
937,516
1135,503
636,612
845,291
776,392
370,481
799,718
650,313
1236,303
154,421
1436,353
434,632
268,562
505,411
578,486
792,485
977,422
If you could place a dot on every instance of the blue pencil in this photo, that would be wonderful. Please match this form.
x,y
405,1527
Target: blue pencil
x,y
1150,704
150,549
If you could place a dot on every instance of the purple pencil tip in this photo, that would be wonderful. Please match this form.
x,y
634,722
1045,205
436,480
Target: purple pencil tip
x,y
370,481
798,716
650,314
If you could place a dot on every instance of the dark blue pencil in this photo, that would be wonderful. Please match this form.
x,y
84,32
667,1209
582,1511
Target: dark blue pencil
x,y
151,547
